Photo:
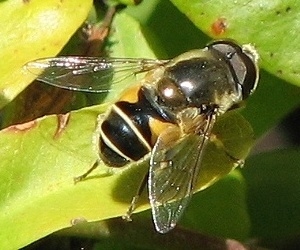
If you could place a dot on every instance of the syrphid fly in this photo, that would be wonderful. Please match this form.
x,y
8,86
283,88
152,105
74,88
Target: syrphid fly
x,y
168,114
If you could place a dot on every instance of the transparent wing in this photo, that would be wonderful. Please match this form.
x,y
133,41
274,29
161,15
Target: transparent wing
x,y
173,173
90,74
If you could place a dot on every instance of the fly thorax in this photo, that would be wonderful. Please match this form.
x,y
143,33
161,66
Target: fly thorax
x,y
196,82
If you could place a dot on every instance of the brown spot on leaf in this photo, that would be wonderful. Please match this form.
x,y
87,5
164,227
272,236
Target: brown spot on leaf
x,y
23,127
219,26
62,122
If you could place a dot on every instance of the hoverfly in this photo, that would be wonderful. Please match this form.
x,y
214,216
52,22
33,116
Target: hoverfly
x,y
172,109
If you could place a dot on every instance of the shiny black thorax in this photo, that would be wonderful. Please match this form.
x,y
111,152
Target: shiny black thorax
x,y
195,82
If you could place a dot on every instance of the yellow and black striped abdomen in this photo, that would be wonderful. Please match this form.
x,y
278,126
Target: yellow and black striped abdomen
x,y
126,133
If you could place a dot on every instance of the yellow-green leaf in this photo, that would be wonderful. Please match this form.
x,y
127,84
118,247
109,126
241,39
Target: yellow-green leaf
x,y
125,2
39,160
30,30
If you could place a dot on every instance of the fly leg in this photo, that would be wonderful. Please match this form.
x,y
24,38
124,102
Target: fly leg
x,y
83,176
238,162
95,143
135,198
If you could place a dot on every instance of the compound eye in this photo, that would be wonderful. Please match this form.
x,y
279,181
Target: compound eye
x,y
242,62
169,94
249,58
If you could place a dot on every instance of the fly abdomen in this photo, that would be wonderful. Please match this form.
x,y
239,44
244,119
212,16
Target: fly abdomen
x,y
121,138
131,128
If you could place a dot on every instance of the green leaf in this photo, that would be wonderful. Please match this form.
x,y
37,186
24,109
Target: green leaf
x,y
270,103
125,2
128,38
31,30
273,194
221,210
38,162
172,30
271,25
